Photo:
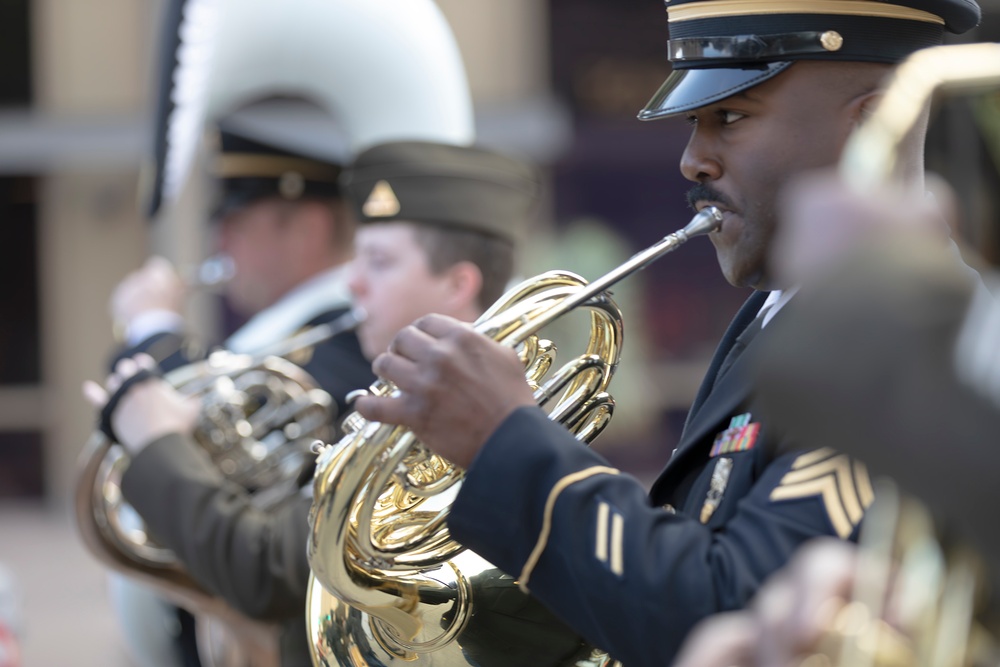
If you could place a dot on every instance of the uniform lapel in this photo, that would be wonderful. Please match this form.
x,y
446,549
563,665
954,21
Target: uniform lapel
x,y
716,401
743,318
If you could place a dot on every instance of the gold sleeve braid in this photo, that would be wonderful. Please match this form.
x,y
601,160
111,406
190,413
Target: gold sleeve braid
x,y
550,503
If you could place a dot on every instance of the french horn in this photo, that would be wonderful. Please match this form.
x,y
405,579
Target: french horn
x,y
259,418
389,584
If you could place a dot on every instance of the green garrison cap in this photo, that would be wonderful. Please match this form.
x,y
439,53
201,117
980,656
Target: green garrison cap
x,y
721,47
441,184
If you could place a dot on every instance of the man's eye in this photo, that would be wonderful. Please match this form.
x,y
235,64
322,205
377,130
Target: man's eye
x,y
729,117
691,120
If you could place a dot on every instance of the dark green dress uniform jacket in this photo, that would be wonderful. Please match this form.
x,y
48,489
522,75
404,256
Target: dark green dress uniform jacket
x,y
632,572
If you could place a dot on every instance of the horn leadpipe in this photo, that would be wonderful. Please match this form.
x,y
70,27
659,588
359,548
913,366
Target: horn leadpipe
x,y
709,219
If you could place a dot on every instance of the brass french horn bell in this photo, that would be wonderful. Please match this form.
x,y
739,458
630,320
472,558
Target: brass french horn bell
x,y
390,585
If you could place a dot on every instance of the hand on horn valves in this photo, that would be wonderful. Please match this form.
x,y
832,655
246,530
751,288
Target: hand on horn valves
x,y
149,409
456,386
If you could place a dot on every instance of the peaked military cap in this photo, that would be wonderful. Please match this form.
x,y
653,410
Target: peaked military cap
x,y
721,47
441,184
249,166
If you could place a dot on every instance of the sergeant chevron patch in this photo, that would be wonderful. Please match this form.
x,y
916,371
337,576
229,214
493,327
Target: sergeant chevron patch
x,y
842,484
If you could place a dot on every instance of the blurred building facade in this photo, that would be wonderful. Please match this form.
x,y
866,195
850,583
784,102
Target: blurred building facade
x,y
558,82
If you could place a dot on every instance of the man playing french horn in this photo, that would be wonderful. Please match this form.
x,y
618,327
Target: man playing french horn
x,y
771,89
416,255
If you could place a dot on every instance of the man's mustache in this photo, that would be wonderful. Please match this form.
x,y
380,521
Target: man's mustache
x,y
703,192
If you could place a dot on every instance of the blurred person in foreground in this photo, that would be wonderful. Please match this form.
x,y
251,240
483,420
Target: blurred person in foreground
x,y
893,302
770,90
425,245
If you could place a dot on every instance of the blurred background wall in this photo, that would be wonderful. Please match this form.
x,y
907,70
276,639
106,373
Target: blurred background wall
x,y
556,81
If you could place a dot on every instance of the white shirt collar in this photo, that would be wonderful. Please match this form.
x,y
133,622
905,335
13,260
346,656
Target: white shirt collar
x,y
321,293
775,301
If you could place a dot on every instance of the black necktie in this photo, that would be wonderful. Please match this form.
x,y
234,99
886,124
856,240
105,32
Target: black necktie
x,y
741,343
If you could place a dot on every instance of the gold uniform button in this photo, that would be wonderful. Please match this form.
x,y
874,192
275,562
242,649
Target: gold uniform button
x,y
831,40
669,509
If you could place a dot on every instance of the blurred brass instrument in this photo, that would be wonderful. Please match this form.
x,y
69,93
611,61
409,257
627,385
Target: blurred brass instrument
x,y
915,597
259,418
389,584
870,155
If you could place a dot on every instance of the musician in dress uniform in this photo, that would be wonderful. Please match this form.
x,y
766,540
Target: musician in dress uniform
x,y
438,230
771,88
287,233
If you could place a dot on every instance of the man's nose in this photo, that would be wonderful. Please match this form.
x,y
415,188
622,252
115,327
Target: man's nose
x,y
355,282
699,163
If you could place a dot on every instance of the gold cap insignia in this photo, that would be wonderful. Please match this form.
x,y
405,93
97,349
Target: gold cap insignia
x,y
831,40
382,202
291,185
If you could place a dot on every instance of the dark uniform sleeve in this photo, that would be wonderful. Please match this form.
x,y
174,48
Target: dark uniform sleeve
x,y
170,350
631,578
339,367
254,559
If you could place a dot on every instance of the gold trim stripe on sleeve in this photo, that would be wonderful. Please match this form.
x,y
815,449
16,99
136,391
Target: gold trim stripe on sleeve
x,y
618,544
724,8
601,538
550,503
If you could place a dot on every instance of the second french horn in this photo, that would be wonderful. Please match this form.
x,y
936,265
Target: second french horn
x,y
391,586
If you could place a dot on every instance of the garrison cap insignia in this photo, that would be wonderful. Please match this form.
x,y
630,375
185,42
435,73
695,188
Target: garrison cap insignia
x,y
739,437
717,487
842,484
609,538
382,202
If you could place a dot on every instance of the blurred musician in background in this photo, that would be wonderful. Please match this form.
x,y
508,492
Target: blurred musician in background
x,y
278,90
287,234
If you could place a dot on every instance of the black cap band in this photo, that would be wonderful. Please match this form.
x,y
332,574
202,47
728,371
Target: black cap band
x,y
722,47
753,47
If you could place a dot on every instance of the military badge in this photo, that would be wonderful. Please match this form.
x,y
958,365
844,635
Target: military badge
x,y
717,487
739,437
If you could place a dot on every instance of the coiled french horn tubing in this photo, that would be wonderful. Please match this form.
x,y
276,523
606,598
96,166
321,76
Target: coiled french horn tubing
x,y
390,586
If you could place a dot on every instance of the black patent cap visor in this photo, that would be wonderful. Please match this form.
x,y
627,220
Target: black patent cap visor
x,y
688,89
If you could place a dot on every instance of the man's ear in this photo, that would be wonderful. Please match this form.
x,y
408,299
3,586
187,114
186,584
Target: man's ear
x,y
862,106
465,281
